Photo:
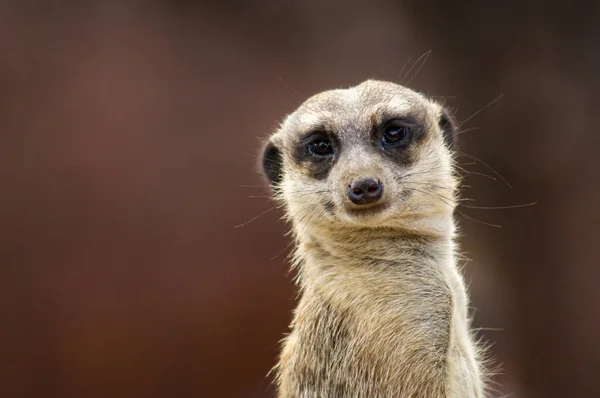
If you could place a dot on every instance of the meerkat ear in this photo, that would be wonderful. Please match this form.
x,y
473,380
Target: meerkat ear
x,y
448,127
272,163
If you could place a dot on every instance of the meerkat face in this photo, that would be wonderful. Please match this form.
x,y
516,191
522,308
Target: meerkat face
x,y
377,154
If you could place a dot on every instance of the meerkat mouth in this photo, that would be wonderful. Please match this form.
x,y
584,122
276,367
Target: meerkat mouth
x,y
365,213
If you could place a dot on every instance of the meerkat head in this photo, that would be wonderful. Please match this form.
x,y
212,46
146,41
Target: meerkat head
x,y
374,155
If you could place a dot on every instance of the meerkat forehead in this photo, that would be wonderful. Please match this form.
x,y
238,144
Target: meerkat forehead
x,y
368,103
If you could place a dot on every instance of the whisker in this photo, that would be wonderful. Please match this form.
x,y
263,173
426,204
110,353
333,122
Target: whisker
x,y
501,207
283,250
414,173
427,184
484,329
469,129
458,211
480,110
300,194
477,173
443,96
427,54
255,218
478,221
488,166
403,67
440,198
253,186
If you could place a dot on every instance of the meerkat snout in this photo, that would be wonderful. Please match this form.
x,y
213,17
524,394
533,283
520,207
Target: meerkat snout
x,y
364,191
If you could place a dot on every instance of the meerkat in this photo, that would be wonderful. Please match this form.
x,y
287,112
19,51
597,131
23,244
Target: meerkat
x,y
367,179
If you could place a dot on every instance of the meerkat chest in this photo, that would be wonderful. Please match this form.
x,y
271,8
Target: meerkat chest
x,y
340,352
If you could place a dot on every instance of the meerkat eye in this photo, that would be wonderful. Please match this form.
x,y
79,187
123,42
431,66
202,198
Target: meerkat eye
x,y
320,146
395,133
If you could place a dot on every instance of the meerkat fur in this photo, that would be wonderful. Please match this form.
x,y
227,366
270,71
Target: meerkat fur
x,y
382,309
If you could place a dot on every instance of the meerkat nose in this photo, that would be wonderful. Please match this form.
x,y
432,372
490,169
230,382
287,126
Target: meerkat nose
x,y
364,191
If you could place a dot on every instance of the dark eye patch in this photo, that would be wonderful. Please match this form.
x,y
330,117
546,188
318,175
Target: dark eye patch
x,y
315,153
397,137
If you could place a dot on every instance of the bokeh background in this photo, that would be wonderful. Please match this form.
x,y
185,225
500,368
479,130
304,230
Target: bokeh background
x,y
129,132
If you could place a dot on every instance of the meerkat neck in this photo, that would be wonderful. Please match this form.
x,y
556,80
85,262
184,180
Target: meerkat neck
x,y
390,301
377,253
374,271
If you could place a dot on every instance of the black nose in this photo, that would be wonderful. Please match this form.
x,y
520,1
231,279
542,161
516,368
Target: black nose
x,y
365,190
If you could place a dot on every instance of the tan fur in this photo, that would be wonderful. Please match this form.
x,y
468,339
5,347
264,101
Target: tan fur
x,y
383,307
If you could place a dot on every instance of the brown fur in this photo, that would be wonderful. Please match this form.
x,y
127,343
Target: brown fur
x,y
383,307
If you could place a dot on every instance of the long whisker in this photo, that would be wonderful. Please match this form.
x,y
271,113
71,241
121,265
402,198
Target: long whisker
x,y
427,54
255,218
253,186
428,184
478,221
466,130
403,67
481,109
457,167
501,207
476,173
283,250
440,198
458,211
300,194
443,96
488,166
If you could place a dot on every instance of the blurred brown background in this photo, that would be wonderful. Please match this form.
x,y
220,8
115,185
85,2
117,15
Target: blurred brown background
x,y
128,130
